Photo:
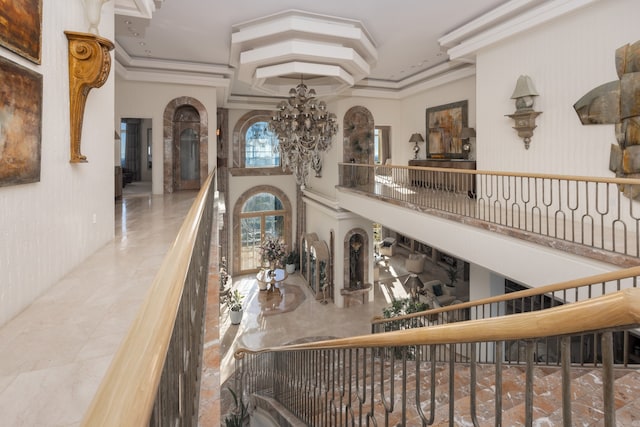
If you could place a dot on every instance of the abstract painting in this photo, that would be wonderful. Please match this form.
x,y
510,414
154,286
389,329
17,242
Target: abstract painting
x,y
444,125
21,27
20,124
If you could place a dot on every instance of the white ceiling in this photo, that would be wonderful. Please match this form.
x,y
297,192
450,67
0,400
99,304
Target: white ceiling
x,y
191,39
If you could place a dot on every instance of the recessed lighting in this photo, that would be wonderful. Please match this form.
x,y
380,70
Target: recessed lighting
x,y
126,21
142,44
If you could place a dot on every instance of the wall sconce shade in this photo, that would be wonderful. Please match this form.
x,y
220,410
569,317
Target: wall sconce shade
x,y
416,138
524,116
524,87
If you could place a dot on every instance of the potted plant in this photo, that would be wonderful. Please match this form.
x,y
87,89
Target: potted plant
x,y
239,414
291,261
234,303
452,275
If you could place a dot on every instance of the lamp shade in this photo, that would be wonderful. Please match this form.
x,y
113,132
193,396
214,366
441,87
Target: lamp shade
x,y
467,133
524,87
416,137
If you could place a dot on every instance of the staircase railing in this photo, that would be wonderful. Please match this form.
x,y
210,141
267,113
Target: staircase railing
x,y
546,351
587,215
154,378
393,378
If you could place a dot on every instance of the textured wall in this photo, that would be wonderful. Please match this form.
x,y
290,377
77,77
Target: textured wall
x,y
47,228
565,58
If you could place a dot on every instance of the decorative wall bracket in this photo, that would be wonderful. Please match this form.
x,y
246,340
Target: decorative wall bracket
x,y
89,66
524,116
525,123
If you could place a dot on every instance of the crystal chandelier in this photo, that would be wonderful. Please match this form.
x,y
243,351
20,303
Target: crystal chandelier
x,y
304,128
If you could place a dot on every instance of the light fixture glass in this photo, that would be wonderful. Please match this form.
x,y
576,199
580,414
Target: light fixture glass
x,y
305,129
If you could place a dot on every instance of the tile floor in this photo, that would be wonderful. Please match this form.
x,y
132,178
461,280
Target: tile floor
x,y
54,354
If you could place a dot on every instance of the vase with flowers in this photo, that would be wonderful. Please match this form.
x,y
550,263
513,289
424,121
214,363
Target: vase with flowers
x,y
273,250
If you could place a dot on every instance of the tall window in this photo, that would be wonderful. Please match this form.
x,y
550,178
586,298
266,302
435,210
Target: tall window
x,y
381,148
261,147
262,214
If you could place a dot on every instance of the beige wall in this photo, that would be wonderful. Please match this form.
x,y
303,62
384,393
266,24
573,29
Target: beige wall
x,y
47,228
148,101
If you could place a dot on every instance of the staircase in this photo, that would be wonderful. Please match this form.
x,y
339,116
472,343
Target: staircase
x,y
586,392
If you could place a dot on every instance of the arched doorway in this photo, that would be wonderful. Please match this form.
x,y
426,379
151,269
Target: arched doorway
x,y
185,132
261,211
186,148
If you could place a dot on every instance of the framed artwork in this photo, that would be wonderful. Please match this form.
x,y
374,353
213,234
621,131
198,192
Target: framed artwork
x,y
444,126
21,31
20,124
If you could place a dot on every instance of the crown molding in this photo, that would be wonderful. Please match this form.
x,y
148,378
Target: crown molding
x,y
509,28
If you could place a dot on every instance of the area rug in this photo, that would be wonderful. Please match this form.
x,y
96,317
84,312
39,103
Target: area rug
x,y
283,299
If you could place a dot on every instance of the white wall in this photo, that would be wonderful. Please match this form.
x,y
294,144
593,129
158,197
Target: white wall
x,y
414,115
385,113
148,101
565,58
48,227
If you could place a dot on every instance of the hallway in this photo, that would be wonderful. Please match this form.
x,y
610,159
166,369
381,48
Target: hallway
x,y
54,354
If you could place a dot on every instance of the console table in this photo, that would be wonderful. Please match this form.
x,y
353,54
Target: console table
x,y
443,181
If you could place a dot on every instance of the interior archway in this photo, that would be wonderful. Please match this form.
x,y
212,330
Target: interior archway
x,y
170,138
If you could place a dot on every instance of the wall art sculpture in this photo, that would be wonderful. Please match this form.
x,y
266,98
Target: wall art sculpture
x,y
21,29
20,124
618,102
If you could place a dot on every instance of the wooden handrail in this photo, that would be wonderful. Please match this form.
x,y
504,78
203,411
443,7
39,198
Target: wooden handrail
x,y
609,311
541,290
126,395
612,180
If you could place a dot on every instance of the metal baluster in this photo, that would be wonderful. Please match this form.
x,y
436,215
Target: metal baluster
x,y
452,386
566,381
473,385
608,379
528,395
498,385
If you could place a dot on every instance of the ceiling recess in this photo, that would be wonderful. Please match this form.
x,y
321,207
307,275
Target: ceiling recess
x,y
272,53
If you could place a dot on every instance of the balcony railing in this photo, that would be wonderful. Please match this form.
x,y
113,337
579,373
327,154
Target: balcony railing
x,y
393,378
547,351
154,378
584,215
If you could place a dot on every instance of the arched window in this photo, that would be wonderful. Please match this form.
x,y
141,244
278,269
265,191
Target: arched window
x,y
255,147
260,212
261,147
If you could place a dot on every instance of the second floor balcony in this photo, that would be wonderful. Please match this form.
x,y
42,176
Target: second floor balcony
x,y
585,216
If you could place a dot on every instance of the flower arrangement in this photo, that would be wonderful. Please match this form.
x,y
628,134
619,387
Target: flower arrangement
x,y
273,250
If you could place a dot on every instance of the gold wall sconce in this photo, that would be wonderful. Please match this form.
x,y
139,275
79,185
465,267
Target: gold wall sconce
x,y
524,116
465,135
416,138
89,66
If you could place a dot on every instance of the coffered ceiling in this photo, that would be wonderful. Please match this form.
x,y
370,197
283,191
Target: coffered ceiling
x,y
256,50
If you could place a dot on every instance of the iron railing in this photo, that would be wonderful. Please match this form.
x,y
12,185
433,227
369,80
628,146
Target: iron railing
x,y
154,378
585,211
546,351
394,378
